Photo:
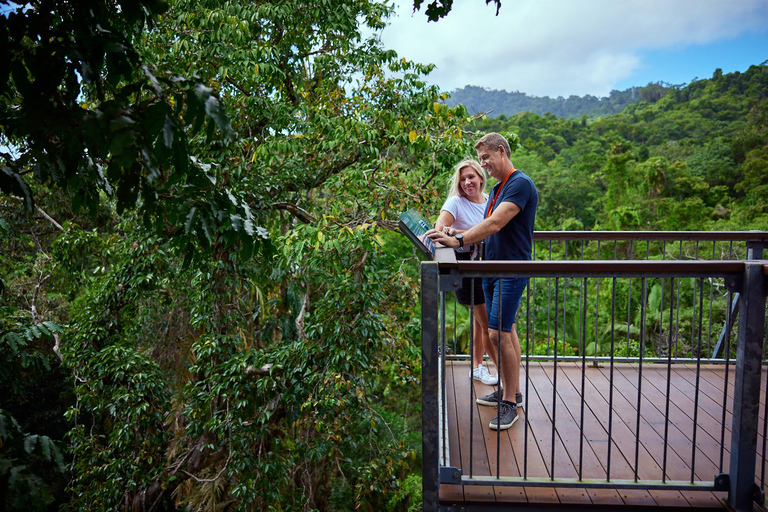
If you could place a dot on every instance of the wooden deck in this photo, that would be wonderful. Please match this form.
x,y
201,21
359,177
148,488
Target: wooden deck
x,y
536,461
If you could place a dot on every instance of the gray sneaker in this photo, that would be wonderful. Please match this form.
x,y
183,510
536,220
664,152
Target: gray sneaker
x,y
491,399
506,418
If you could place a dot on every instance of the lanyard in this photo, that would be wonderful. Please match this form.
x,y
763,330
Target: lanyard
x,y
496,196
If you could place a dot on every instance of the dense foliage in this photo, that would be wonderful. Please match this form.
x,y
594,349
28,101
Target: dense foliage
x,y
503,104
693,160
203,302
192,254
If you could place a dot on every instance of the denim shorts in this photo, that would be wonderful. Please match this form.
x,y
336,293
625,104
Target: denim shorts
x,y
464,294
511,293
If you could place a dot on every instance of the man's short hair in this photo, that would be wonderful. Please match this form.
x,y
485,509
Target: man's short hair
x,y
492,141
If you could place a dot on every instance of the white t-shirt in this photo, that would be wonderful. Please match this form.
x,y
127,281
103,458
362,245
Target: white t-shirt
x,y
465,213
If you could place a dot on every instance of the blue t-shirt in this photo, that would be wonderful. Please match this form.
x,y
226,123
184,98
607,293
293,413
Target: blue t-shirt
x,y
515,240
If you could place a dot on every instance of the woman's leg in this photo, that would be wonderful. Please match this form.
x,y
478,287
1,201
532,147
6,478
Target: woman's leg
x,y
481,343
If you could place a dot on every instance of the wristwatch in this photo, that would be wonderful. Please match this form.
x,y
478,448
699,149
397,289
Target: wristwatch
x,y
460,238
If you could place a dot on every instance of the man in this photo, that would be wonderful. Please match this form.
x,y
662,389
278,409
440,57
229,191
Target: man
x,y
508,233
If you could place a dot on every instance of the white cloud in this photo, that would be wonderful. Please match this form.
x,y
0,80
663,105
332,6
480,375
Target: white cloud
x,y
561,47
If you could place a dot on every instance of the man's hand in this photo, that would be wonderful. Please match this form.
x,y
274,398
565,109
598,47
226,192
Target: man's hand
x,y
443,237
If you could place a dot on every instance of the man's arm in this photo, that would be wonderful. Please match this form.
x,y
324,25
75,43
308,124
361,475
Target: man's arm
x,y
503,213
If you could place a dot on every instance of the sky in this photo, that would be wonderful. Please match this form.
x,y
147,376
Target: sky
x,y
578,47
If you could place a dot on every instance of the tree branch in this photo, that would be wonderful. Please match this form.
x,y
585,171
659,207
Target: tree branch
x,y
58,226
302,315
296,210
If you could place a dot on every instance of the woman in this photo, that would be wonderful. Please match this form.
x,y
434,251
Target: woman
x,y
464,208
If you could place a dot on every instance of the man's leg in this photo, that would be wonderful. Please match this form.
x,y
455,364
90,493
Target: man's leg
x,y
519,355
509,367
493,351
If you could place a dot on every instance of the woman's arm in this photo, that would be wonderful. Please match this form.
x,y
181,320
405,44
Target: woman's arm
x,y
445,220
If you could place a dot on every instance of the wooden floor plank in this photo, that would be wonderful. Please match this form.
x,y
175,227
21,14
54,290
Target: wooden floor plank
x,y
622,459
479,456
680,441
681,423
518,457
591,429
514,439
652,441
541,421
448,492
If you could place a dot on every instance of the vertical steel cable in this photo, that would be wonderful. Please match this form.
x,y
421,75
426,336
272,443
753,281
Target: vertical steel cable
x,y
669,378
597,309
565,300
442,369
455,321
698,376
640,371
765,411
711,300
533,325
528,345
472,405
597,324
554,386
728,325
583,376
765,426
610,381
677,322
629,298
549,303
498,372
693,318
661,302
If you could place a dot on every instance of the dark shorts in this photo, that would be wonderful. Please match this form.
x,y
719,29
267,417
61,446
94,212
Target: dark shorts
x,y
464,294
511,291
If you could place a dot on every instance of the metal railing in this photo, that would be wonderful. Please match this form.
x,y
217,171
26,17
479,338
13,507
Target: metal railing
x,y
588,310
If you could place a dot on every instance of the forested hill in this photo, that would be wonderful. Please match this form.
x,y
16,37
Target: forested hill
x,y
695,159
479,99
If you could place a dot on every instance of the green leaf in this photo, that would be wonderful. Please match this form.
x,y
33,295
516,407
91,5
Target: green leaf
x,y
188,225
29,443
168,131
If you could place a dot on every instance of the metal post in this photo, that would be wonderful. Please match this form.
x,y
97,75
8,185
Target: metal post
x,y
430,419
749,354
755,250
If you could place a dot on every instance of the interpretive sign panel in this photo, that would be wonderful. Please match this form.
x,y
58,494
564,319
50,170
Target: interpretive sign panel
x,y
413,225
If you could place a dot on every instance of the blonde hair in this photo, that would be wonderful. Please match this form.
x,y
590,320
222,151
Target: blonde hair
x,y
454,183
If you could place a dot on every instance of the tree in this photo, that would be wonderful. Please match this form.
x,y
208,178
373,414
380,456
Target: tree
x,y
440,8
119,142
236,323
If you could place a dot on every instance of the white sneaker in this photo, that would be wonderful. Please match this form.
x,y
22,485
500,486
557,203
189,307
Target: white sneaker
x,y
482,374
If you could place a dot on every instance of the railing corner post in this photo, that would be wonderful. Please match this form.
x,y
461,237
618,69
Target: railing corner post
x,y
746,406
429,385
